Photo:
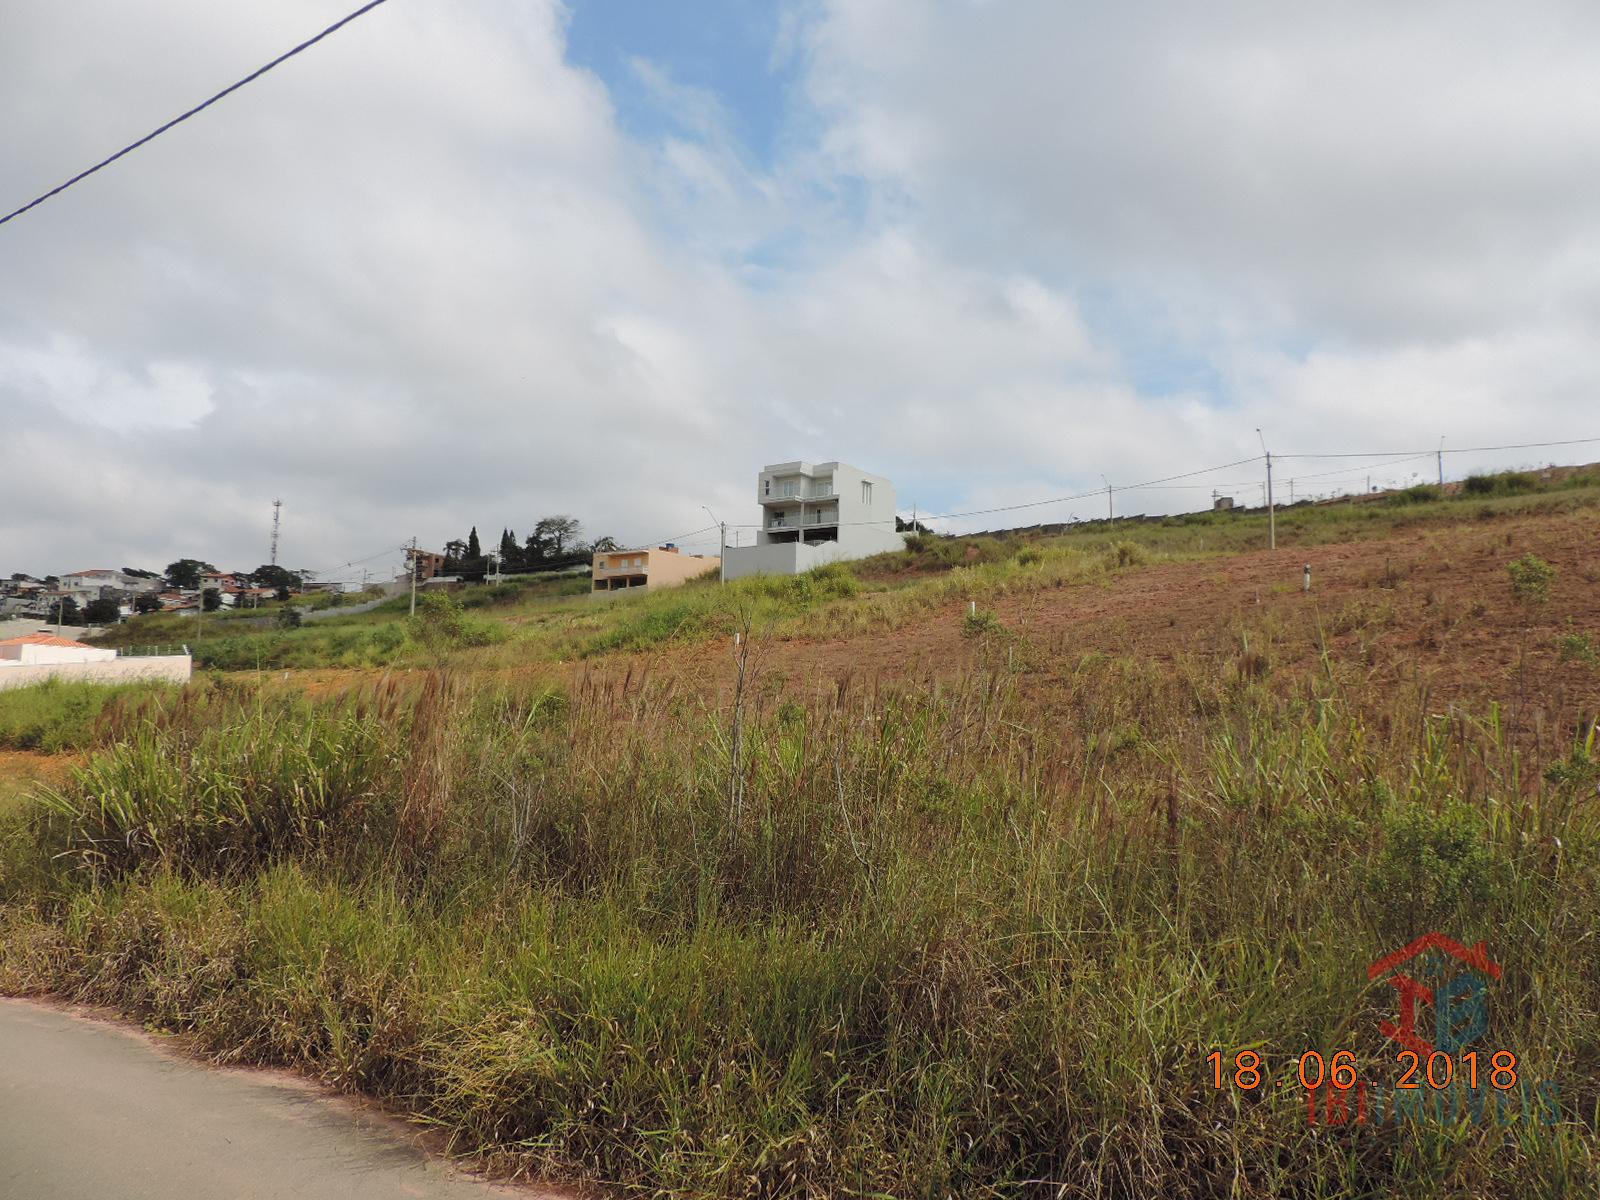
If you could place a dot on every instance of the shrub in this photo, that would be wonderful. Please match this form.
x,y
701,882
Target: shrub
x,y
1126,554
1433,866
980,622
441,625
1531,577
289,617
1421,493
1575,647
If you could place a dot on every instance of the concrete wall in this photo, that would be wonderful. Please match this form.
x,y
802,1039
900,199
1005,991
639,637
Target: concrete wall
x,y
38,656
173,668
788,558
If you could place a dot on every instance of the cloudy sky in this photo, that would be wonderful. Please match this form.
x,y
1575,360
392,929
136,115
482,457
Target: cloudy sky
x,y
471,263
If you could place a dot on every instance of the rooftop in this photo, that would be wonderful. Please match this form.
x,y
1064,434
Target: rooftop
x,y
43,639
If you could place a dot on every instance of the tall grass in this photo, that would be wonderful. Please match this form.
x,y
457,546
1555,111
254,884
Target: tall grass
x,y
953,942
56,716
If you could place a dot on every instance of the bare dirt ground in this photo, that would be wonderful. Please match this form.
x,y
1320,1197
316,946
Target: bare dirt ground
x,y
1434,604
1431,605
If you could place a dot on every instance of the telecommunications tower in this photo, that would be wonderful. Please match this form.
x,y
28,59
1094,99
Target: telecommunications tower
x,y
273,556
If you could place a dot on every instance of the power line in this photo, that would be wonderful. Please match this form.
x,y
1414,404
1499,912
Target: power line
x,y
1450,449
254,75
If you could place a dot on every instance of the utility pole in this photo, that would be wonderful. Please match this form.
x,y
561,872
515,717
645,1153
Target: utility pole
x,y
1110,513
1272,520
722,551
413,576
1441,462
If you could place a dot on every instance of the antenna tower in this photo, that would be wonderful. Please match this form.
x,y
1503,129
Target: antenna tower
x,y
273,556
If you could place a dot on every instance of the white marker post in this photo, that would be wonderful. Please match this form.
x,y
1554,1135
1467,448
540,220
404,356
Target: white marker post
x,y
1307,585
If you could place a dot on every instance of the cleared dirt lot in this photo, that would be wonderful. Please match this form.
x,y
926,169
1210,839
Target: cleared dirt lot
x,y
1434,604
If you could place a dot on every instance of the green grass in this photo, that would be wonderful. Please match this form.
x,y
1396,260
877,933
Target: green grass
x,y
902,943
55,716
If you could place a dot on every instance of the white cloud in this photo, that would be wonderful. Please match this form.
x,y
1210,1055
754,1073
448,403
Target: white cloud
x,y
418,278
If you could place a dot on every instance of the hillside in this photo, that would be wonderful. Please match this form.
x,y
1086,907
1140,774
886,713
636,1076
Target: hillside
x,y
946,878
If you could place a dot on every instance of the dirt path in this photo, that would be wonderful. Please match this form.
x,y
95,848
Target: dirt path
x,y
90,1110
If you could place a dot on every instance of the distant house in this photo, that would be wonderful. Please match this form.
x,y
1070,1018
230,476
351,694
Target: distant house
x,y
664,566
43,649
97,582
816,513
428,564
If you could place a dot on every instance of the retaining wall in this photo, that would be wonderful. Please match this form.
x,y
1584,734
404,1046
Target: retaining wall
x,y
169,668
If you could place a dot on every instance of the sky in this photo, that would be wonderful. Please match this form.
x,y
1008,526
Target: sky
x,y
472,264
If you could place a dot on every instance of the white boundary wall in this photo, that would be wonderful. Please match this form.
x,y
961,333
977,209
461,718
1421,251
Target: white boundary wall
x,y
169,668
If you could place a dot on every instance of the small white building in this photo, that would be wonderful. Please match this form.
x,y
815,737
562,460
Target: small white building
x,y
817,513
45,649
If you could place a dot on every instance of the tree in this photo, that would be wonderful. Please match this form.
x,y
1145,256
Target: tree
x,y
604,545
289,617
103,611
210,600
146,602
273,576
552,538
474,547
282,594
510,552
65,610
185,573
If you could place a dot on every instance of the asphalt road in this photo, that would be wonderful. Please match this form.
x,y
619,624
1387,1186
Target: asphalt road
x,y
93,1111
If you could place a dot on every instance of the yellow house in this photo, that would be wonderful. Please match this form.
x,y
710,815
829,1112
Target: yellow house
x,y
663,566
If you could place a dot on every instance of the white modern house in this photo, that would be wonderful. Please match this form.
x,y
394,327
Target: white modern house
x,y
816,513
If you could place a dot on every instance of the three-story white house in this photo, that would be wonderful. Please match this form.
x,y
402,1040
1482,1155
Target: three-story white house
x,y
816,513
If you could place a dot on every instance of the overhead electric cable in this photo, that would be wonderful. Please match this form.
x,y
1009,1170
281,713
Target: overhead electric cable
x,y
132,146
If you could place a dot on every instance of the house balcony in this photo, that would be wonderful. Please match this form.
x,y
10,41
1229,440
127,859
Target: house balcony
x,y
795,497
812,520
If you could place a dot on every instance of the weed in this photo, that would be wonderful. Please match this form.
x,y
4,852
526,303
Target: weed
x,y
1575,647
980,622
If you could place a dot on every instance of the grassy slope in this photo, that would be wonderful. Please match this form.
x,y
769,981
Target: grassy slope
x,y
536,620
907,941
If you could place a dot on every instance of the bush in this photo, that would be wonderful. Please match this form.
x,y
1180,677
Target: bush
x,y
1433,867
1575,647
1531,577
980,622
1126,554
1507,483
289,617
441,625
1421,493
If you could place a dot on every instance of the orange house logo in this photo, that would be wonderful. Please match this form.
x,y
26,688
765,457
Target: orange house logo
x,y
1460,1001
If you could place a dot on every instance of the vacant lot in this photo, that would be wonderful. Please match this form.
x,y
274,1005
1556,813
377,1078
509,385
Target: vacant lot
x,y
946,881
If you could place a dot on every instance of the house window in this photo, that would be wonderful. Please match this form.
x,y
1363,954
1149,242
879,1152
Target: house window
x,y
766,487
866,492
